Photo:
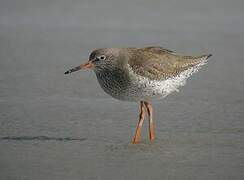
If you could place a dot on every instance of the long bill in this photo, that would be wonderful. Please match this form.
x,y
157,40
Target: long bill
x,y
87,65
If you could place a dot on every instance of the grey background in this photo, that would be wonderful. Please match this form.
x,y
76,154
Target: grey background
x,y
65,127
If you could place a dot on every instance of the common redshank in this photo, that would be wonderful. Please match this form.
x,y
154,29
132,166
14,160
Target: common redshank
x,y
141,75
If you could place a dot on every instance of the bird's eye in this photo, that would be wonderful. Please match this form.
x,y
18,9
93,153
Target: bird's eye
x,y
102,57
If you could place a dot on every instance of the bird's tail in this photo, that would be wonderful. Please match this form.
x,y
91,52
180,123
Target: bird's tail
x,y
204,57
190,61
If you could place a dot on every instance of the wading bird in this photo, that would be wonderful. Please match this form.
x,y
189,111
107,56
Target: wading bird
x,y
140,75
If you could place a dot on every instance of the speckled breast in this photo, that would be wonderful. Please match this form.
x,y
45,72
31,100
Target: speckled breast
x,y
127,86
114,82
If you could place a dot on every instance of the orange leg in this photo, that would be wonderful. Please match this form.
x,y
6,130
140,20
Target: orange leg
x,y
140,123
151,124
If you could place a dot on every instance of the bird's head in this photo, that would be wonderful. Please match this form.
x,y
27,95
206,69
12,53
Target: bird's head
x,y
100,59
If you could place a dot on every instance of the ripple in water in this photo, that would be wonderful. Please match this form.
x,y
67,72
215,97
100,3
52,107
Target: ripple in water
x,y
40,138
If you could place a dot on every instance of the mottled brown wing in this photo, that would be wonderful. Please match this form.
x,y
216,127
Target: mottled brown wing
x,y
157,63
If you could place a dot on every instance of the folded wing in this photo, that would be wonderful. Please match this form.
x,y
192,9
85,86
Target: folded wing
x,y
157,63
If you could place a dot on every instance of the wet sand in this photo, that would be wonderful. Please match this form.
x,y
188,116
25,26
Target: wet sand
x,y
54,126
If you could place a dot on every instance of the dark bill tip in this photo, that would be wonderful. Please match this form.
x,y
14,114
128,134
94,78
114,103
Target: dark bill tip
x,y
68,72
73,70
209,56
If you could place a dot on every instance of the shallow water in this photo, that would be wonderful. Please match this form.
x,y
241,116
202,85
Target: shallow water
x,y
54,126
